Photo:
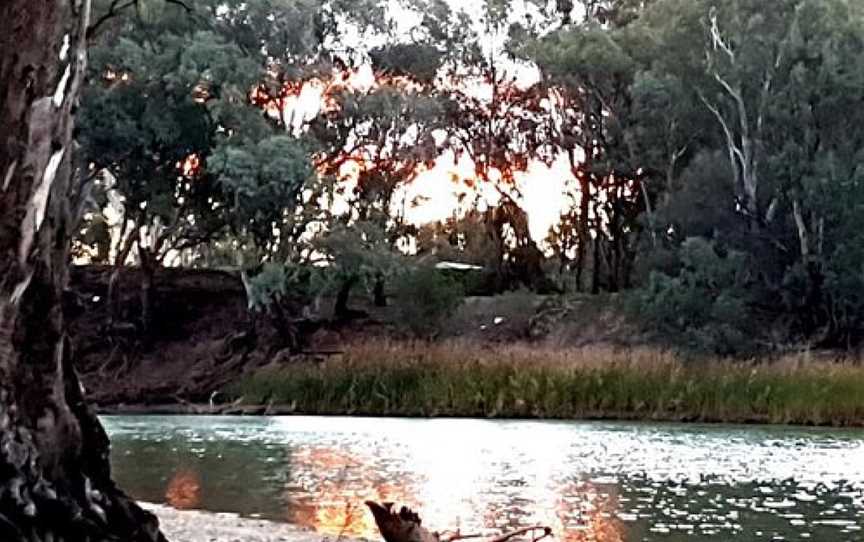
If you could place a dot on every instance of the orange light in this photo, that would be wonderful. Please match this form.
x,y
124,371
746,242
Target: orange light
x,y
184,490
190,166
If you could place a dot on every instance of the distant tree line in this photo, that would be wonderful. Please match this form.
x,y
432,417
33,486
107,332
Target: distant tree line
x,y
713,149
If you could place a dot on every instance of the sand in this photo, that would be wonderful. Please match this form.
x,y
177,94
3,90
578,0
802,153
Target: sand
x,y
196,526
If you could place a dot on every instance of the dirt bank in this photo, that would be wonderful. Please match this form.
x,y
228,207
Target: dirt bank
x,y
201,336
194,344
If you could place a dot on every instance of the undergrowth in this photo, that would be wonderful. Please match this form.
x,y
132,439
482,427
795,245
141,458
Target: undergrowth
x,y
458,379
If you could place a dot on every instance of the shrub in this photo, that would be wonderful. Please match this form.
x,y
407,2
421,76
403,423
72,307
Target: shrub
x,y
284,290
705,305
267,287
424,299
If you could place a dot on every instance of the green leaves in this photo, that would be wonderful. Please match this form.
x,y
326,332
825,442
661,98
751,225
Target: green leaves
x,y
262,181
169,115
412,60
705,304
425,298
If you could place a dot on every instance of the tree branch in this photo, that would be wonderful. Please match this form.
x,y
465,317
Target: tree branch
x,y
118,6
734,150
113,10
717,39
507,536
181,4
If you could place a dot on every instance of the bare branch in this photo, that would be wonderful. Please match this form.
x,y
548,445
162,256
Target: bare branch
x,y
458,536
117,6
717,38
507,536
730,136
736,155
113,10
405,526
803,234
181,4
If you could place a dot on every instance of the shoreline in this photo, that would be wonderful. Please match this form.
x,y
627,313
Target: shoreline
x,y
205,526
193,409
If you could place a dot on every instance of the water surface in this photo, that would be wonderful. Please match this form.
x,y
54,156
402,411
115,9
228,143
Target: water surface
x,y
601,482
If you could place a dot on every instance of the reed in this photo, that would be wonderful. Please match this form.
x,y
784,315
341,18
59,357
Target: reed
x,y
524,381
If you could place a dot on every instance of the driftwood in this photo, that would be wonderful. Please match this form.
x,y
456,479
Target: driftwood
x,y
406,526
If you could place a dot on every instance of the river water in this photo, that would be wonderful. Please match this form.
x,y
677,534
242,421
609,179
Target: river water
x,y
603,482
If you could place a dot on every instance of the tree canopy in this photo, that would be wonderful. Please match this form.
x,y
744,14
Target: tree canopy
x,y
276,130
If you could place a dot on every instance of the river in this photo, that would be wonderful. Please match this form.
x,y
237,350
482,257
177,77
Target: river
x,y
589,481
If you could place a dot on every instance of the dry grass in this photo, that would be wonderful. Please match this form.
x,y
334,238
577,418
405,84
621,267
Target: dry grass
x,y
466,379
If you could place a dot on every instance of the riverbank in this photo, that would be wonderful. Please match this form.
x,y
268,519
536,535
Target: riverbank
x,y
520,381
515,355
197,526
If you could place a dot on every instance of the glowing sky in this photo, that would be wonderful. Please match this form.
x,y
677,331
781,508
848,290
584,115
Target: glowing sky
x,y
540,190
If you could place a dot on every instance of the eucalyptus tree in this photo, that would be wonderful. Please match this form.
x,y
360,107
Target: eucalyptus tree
x,y
386,137
778,87
589,70
55,479
179,124
492,113
815,163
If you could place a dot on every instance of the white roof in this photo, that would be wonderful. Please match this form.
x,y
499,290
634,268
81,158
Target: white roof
x,y
456,266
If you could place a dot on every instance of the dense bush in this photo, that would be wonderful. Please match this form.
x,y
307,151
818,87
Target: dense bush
x,y
425,297
705,305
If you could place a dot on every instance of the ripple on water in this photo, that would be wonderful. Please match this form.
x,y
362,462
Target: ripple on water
x,y
589,481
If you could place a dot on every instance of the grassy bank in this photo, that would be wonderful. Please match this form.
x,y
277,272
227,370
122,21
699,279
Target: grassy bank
x,y
457,379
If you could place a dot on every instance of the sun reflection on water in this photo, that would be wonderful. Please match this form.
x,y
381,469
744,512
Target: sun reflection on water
x,y
587,482
329,486
184,490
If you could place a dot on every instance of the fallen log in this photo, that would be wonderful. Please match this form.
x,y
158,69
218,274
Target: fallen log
x,y
406,526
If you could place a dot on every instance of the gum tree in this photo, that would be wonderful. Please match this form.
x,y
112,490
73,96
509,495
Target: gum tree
x,y
55,479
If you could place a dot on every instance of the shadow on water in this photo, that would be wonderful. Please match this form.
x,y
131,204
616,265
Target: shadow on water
x,y
589,481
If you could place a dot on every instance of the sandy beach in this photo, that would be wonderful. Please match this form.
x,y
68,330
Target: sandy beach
x,y
198,526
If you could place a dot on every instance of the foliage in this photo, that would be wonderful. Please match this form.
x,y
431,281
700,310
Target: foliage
x,y
695,135
286,291
168,122
264,181
360,252
425,297
776,87
269,287
705,304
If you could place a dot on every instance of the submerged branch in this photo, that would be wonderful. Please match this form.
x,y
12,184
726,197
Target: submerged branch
x,y
405,526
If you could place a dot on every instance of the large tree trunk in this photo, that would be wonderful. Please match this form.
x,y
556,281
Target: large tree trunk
x,y
55,481
584,227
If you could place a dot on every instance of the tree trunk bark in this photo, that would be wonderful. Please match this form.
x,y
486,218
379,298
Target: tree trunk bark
x,y
582,173
113,294
148,269
595,261
55,481
341,311
379,294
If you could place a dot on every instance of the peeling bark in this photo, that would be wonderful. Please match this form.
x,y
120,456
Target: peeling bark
x,y
55,481
803,234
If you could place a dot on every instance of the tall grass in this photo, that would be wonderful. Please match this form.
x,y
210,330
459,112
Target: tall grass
x,y
463,379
